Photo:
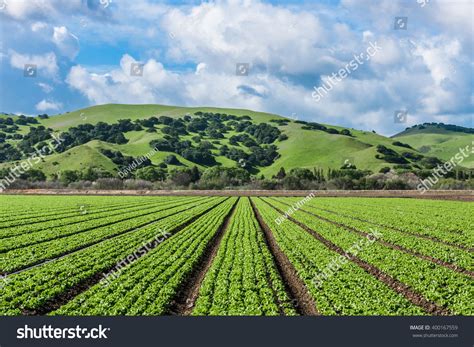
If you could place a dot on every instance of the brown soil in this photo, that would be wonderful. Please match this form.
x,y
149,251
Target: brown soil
x,y
401,288
295,287
183,303
63,298
394,246
463,195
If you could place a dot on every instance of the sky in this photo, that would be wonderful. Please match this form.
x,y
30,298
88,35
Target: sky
x,y
293,58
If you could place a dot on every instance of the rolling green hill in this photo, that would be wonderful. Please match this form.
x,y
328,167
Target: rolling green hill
x,y
303,148
438,141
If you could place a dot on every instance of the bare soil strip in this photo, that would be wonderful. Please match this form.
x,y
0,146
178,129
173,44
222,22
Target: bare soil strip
x,y
463,195
394,246
82,247
185,299
295,287
401,288
426,237
63,298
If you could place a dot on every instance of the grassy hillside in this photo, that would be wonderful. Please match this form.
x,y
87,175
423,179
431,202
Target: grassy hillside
x,y
302,149
439,142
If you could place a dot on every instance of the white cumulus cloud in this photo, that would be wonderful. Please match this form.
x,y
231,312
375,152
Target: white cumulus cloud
x,y
45,105
45,63
67,43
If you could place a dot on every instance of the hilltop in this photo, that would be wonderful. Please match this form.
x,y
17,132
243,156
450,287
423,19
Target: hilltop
x,y
439,140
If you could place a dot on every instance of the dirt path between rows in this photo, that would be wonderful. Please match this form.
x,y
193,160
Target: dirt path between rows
x,y
399,287
391,245
183,303
63,298
421,236
295,287
461,195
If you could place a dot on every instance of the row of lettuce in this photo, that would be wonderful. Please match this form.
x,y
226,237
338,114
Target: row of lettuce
x,y
243,278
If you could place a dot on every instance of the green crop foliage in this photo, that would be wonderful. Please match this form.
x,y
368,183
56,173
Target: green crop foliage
x,y
243,279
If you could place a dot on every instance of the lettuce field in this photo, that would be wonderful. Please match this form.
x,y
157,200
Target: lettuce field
x,y
223,256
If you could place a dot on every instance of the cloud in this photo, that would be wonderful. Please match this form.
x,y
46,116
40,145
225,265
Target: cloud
x,y
227,32
44,9
190,54
118,85
38,26
67,43
45,87
45,63
45,105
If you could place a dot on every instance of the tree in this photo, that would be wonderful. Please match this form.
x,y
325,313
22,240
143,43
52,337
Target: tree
x,y
171,160
346,132
151,174
34,175
69,176
181,177
89,175
281,173
195,174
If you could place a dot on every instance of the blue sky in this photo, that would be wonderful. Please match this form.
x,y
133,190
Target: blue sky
x,y
84,50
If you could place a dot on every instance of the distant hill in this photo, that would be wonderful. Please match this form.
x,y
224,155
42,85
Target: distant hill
x,y
297,144
439,140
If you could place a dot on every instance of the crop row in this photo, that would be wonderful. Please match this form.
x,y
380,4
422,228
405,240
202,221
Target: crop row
x,y
436,283
28,208
243,279
62,222
349,291
449,221
24,257
102,220
17,227
147,286
33,288
430,248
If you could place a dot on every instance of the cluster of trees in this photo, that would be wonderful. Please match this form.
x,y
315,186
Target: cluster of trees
x,y
75,136
125,162
32,175
280,122
317,126
217,177
9,153
401,144
406,160
257,138
84,133
448,127
34,139
20,120
200,154
213,125
389,155
8,126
